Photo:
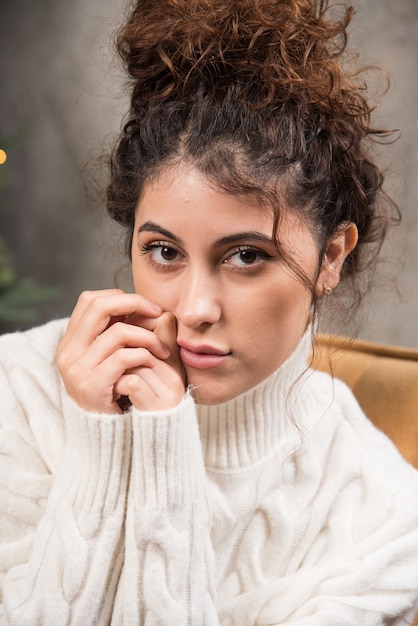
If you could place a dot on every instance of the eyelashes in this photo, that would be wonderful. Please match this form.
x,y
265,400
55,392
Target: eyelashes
x,y
163,255
246,258
166,252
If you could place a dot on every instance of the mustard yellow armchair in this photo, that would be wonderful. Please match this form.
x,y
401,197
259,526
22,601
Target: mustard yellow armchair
x,y
384,380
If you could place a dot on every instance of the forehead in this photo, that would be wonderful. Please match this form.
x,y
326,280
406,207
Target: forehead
x,y
182,201
199,216
184,196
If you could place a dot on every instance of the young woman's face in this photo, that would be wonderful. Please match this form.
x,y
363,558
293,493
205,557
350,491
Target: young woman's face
x,y
209,259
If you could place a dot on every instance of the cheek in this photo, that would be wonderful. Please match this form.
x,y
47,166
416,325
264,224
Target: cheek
x,y
143,284
283,300
277,318
152,289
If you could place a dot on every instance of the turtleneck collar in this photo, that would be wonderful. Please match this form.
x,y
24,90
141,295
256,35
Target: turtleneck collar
x,y
240,432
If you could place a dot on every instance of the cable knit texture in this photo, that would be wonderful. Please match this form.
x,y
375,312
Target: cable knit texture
x,y
282,506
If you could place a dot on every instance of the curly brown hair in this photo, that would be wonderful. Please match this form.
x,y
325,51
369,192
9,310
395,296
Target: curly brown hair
x,y
255,96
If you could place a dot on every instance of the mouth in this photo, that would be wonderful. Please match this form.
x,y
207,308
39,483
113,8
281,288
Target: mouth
x,y
202,356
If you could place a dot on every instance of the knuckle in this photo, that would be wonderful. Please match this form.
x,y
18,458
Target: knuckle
x,y
71,375
85,297
117,330
133,383
95,304
60,360
120,358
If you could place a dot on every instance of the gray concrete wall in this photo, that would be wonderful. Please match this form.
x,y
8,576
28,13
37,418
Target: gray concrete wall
x,y
60,85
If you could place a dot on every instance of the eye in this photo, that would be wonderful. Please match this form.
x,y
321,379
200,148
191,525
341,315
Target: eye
x,y
166,253
247,258
161,253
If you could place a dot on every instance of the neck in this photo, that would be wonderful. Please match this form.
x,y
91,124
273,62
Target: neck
x,y
240,432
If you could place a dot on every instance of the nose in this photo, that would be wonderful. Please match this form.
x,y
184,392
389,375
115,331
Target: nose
x,y
199,299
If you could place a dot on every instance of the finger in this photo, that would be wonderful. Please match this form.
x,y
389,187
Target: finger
x,y
94,389
94,313
165,327
84,300
80,308
121,335
133,386
159,385
142,396
165,388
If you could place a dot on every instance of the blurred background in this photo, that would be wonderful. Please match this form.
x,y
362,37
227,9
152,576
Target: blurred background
x,y
61,104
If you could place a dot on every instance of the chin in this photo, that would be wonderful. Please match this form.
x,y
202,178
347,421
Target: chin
x,y
210,397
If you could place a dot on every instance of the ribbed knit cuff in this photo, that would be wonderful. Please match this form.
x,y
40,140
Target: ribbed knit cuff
x,y
95,469
167,463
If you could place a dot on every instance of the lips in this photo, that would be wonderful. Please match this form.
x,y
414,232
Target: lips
x,y
202,356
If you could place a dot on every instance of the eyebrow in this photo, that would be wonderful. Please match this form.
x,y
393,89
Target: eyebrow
x,y
151,227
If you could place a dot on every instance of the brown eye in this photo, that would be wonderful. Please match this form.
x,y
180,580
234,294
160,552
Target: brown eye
x,y
161,255
168,254
248,256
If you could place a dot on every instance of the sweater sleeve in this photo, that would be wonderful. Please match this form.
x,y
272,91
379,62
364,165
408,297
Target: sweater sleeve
x,y
67,567
168,551
103,518
64,477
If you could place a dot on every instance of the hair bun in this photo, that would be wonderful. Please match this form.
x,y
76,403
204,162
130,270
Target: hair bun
x,y
272,48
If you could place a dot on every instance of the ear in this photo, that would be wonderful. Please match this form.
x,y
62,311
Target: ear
x,y
339,246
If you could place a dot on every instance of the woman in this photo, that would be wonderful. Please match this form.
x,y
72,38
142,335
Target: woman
x,y
180,463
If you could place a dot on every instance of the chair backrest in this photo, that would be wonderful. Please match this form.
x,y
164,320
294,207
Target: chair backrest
x,y
384,380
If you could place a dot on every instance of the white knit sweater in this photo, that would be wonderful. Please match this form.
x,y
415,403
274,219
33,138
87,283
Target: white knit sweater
x,y
274,508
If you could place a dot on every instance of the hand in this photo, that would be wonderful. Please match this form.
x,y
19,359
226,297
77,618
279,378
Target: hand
x,y
99,347
162,386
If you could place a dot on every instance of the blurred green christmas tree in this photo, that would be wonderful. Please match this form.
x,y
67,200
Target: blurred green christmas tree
x,y
20,296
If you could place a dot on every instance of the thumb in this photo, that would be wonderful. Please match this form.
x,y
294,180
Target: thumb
x,y
165,327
